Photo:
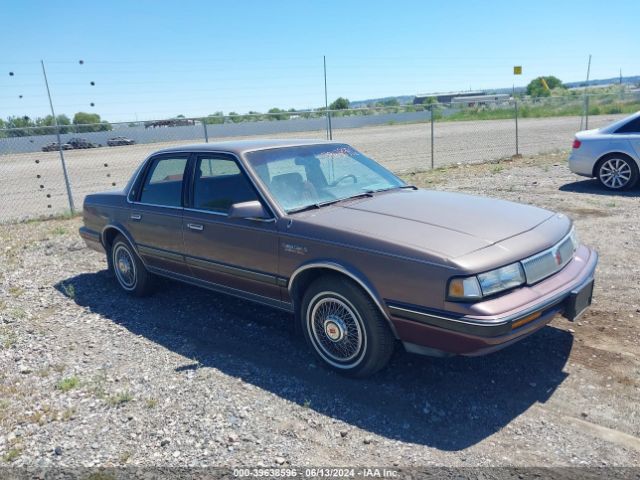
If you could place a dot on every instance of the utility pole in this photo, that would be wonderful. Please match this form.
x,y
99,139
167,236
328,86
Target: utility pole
x,y
517,70
326,100
586,98
55,122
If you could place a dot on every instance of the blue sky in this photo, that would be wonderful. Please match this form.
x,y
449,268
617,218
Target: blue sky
x,y
154,59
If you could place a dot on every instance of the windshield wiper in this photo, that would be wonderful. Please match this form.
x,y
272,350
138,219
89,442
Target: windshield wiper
x,y
367,193
412,187
331,202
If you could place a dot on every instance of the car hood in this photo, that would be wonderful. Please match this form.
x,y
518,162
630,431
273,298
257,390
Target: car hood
x,y
445,225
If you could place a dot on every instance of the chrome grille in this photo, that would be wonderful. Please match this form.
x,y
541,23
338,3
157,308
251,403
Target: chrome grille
x,y
548,262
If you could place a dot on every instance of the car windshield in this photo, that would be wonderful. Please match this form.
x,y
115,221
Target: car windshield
x,y
310,176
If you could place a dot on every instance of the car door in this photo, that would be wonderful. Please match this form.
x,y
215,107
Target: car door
x,y
239,255
155,220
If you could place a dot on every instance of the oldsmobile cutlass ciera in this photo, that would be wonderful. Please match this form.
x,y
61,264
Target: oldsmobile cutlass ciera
x,y
362,259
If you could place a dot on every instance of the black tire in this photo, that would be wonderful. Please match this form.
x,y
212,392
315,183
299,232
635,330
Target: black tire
x,y
129,271
344,327
617,172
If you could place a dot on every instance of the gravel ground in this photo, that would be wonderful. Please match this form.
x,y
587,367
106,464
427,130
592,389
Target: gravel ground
x,y
33,184
91,377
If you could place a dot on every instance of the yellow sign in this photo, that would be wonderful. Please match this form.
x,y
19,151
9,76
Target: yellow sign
x,y
544,83
517,70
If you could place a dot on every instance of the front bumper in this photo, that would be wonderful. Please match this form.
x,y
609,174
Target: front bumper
x,y
444,333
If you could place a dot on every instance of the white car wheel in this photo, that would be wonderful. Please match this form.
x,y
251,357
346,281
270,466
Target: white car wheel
x,y
617,172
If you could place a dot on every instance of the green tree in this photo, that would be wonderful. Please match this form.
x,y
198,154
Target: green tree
x,y
339,103
20,126
253,116
89,122
235,117
214,118
63,123
428,101
277,114
391,102
536,87
63,120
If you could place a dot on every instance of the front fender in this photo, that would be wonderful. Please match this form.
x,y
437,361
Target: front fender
x,y
344,269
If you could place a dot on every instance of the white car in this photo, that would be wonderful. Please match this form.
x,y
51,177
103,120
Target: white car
x,y
611,154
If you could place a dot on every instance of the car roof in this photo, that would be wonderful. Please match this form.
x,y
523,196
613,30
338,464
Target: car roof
x,y
242,146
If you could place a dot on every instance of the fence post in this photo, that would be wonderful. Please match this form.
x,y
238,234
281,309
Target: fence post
x,y
206,134
586,112
515,104
431,115
55,123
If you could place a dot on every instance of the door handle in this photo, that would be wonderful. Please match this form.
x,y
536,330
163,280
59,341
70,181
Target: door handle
x,y
136,216
195,226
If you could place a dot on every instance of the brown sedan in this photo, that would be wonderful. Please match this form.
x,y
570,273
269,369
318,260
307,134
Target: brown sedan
x,y
362,259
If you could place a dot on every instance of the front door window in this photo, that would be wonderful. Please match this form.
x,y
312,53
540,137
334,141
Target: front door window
x,y
218,184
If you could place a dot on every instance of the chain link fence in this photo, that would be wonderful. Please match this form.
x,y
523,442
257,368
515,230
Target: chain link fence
x,y
403,138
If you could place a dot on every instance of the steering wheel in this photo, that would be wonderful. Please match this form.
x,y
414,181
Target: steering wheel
x,y
344,177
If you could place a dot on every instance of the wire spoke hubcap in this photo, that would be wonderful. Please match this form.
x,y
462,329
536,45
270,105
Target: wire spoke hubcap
x,y
615,173
336,330
125,268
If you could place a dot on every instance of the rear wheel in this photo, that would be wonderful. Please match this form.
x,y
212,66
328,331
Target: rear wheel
x,y
130,272
345,328
617,172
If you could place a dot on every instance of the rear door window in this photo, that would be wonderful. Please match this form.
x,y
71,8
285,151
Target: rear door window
x,y
163,183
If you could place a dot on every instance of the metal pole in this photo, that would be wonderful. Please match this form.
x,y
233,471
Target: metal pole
x,y
515,103
55,122
206,134
586,109
326,100
586,97
431,115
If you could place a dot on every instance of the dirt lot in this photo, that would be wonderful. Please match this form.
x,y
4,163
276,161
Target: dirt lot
x,y
89,376
32,184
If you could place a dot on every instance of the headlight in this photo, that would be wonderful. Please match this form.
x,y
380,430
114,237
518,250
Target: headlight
x,y
501,279
487,283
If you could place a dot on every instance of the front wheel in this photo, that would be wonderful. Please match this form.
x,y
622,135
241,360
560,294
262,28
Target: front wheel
x,y
130,272
617,172
345,328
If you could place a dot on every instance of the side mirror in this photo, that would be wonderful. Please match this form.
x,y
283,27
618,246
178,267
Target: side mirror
x,y
252,210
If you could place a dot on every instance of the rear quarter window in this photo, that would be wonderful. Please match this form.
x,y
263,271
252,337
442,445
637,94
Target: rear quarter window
x,y
630,127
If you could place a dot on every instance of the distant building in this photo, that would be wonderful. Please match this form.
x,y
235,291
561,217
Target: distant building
x,y
476,100
469,98
599,85
445,97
